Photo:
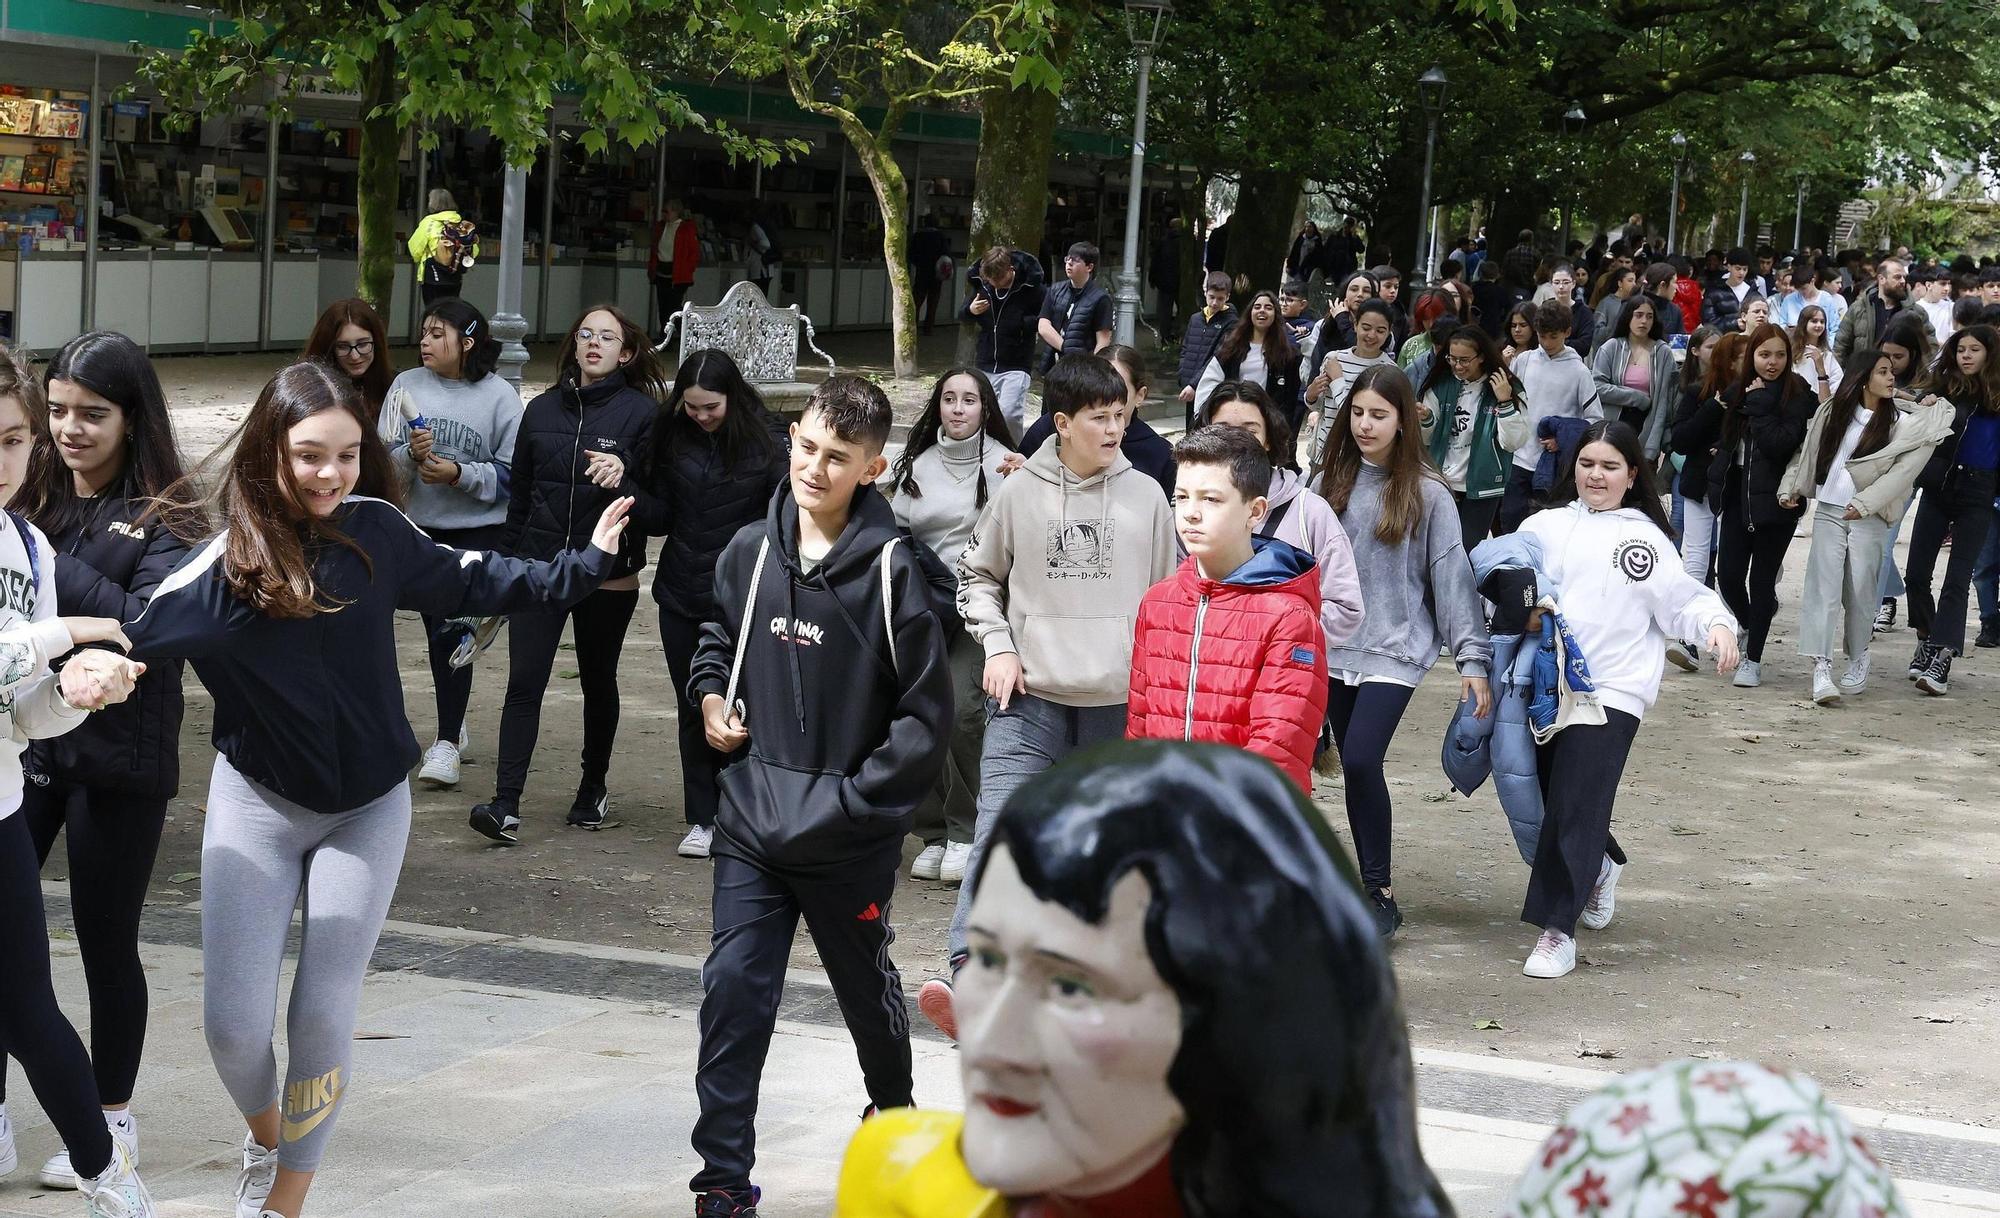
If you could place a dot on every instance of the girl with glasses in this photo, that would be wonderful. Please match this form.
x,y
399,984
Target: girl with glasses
x,y
1474,417
351,337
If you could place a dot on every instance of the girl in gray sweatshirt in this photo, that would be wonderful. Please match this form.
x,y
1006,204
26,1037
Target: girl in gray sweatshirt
x,y
1417,585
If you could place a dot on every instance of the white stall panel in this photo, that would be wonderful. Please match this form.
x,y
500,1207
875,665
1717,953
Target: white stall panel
x,y
294,300
232,301
51,302
124,295
179,300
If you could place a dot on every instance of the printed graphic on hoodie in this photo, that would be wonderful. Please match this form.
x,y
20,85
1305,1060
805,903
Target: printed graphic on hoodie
x,y
798,632
17,660
1078,549
1636,560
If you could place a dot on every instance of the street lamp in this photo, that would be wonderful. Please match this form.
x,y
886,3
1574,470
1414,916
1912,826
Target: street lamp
x,y
1680,143
1431,88
1799,219
1572,123
1145,25
1743,213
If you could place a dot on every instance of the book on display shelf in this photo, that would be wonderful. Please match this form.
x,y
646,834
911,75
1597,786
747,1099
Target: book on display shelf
x,y
12,170
36,172
60,120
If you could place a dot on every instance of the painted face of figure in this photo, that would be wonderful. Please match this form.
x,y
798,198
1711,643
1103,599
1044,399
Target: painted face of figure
x,y
1066,1033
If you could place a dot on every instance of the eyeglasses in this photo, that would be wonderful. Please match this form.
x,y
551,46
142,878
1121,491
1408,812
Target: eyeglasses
x,y
609,338
1461,361
365,347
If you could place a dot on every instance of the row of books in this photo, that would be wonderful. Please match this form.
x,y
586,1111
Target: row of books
x,y
42,119
38,174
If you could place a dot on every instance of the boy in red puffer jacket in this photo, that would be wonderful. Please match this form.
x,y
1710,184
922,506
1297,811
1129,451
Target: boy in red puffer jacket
x,y
1238,622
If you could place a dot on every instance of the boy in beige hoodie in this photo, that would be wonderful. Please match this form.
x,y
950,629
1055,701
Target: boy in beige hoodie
x,y
1050,586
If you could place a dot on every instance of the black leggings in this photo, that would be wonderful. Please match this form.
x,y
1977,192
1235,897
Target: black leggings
x,y
699,763
1747,564
1364,719
454,685
112,842
31,1024
1962,509
1475,519
1579,770
601,621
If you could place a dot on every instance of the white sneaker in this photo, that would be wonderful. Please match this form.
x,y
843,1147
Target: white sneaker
x,y
9,1157
1824,691
57,1171
929,861
1855,679
440,765
118,1193
1603,898
695,845
464,741
253,1183
1554,956
1749,674
957,855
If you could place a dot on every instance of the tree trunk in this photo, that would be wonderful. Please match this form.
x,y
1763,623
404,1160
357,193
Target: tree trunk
x,y
1010,189
1260,229
376,181
892,195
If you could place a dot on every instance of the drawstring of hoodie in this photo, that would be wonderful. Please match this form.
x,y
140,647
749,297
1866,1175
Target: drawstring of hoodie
x,y
792,652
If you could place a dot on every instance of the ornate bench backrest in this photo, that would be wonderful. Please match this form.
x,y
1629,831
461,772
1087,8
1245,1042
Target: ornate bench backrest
x,y
761,337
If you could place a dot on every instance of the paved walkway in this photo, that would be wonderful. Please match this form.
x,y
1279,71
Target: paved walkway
x,y
528,1078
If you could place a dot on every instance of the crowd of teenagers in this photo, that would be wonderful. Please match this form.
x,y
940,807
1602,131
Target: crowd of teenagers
x,y
866,642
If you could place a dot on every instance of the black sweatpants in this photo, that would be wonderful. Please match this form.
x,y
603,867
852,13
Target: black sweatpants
x,y
1364,719
1961,509
669,295
31,1024
1747,564
112,841
1517,502
601,620
1579,769
1475,518
699,762
756,916
454,685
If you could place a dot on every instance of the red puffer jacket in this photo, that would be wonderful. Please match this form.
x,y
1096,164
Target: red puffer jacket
x,y
1236,661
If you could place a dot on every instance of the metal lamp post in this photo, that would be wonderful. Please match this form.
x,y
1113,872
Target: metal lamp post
x,y
1743,212
1572,123
1145,25
1680,143
1799,218
1431,87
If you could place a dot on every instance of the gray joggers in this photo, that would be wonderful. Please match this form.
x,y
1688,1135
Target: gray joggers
x,y
1842,573
262,855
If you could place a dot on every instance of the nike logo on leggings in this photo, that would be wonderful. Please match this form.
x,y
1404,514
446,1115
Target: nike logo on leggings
x,y
314,1096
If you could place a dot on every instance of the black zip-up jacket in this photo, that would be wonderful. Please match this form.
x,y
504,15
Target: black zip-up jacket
x,y
1697,434
1198,344
1007,341
552,504
1772,427
311,708
699,502
1935,470
107,565
1719,306
848,723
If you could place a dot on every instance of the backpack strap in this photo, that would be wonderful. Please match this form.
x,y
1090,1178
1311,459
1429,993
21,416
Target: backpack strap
x,y
743,631
1271,521
889,604
28,543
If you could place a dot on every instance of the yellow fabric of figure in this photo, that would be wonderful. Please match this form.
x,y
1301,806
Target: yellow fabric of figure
x,y
905,1163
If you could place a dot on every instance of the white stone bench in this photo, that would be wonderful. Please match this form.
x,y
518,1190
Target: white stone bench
x,y
761,337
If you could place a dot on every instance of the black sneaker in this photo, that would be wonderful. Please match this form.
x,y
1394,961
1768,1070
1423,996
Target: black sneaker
x,y
1885,617
499,820
592,803
1388,919
1989,633
1920,661
718,1204
1936,678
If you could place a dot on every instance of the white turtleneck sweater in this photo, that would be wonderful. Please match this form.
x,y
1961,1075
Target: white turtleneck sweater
x,y
948,474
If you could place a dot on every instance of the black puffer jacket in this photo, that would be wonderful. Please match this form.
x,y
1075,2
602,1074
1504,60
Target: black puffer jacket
x,y
1759,439
1697,434
107,564
552,504
1945,455
699,501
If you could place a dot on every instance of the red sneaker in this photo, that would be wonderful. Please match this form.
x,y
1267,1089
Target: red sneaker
x,y
934,1000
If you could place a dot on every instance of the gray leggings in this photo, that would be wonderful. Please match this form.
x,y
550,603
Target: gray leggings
x,y
260,855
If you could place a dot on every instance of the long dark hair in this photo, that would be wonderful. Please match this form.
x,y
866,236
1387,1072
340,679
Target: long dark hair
x,y
1490,361
1840,410
1908,332
1278,441
1409,461
745,433
114,368
1980,392
1800,340
1644,493
1523,310
1640,300
374,383
483,356
1278,349
642,372
924,435
270,536
1294,1064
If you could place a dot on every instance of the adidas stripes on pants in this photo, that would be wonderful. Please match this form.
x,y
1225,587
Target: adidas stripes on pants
x,y
261,856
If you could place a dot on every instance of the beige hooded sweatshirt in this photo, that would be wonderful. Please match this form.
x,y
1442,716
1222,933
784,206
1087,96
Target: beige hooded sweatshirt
x,y
1055,572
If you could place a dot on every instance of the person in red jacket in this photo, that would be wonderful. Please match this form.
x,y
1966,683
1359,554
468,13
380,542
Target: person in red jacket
x,y
1227,649
676,253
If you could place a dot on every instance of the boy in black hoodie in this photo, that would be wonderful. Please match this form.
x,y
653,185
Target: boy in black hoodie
x,y
835,708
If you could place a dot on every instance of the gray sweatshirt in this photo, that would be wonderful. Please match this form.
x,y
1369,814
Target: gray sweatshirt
x,y
1419,591
472,423
948,474
1559,386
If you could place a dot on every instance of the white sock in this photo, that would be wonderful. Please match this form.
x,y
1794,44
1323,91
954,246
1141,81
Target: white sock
x,y
121,1120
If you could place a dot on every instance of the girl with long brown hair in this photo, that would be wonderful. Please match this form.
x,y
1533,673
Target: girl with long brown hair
x,y
1403,525
350,335
1257,349
288,615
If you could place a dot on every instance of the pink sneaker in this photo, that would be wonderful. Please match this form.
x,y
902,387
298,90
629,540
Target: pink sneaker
x,y
934,1000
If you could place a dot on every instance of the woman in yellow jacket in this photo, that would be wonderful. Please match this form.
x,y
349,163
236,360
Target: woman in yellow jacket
x,y
443,247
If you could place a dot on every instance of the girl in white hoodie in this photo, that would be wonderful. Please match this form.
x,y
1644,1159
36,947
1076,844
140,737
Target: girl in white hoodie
x,y
1611,553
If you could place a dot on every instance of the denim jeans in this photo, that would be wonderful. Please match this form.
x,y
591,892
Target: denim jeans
x,y
1986,572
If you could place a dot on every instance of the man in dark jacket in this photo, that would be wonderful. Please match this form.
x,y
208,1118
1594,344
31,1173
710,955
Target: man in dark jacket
x,y
1076,312
1517,265
1205,329
1340,256
823,677
928,247
1006,304
1725,301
